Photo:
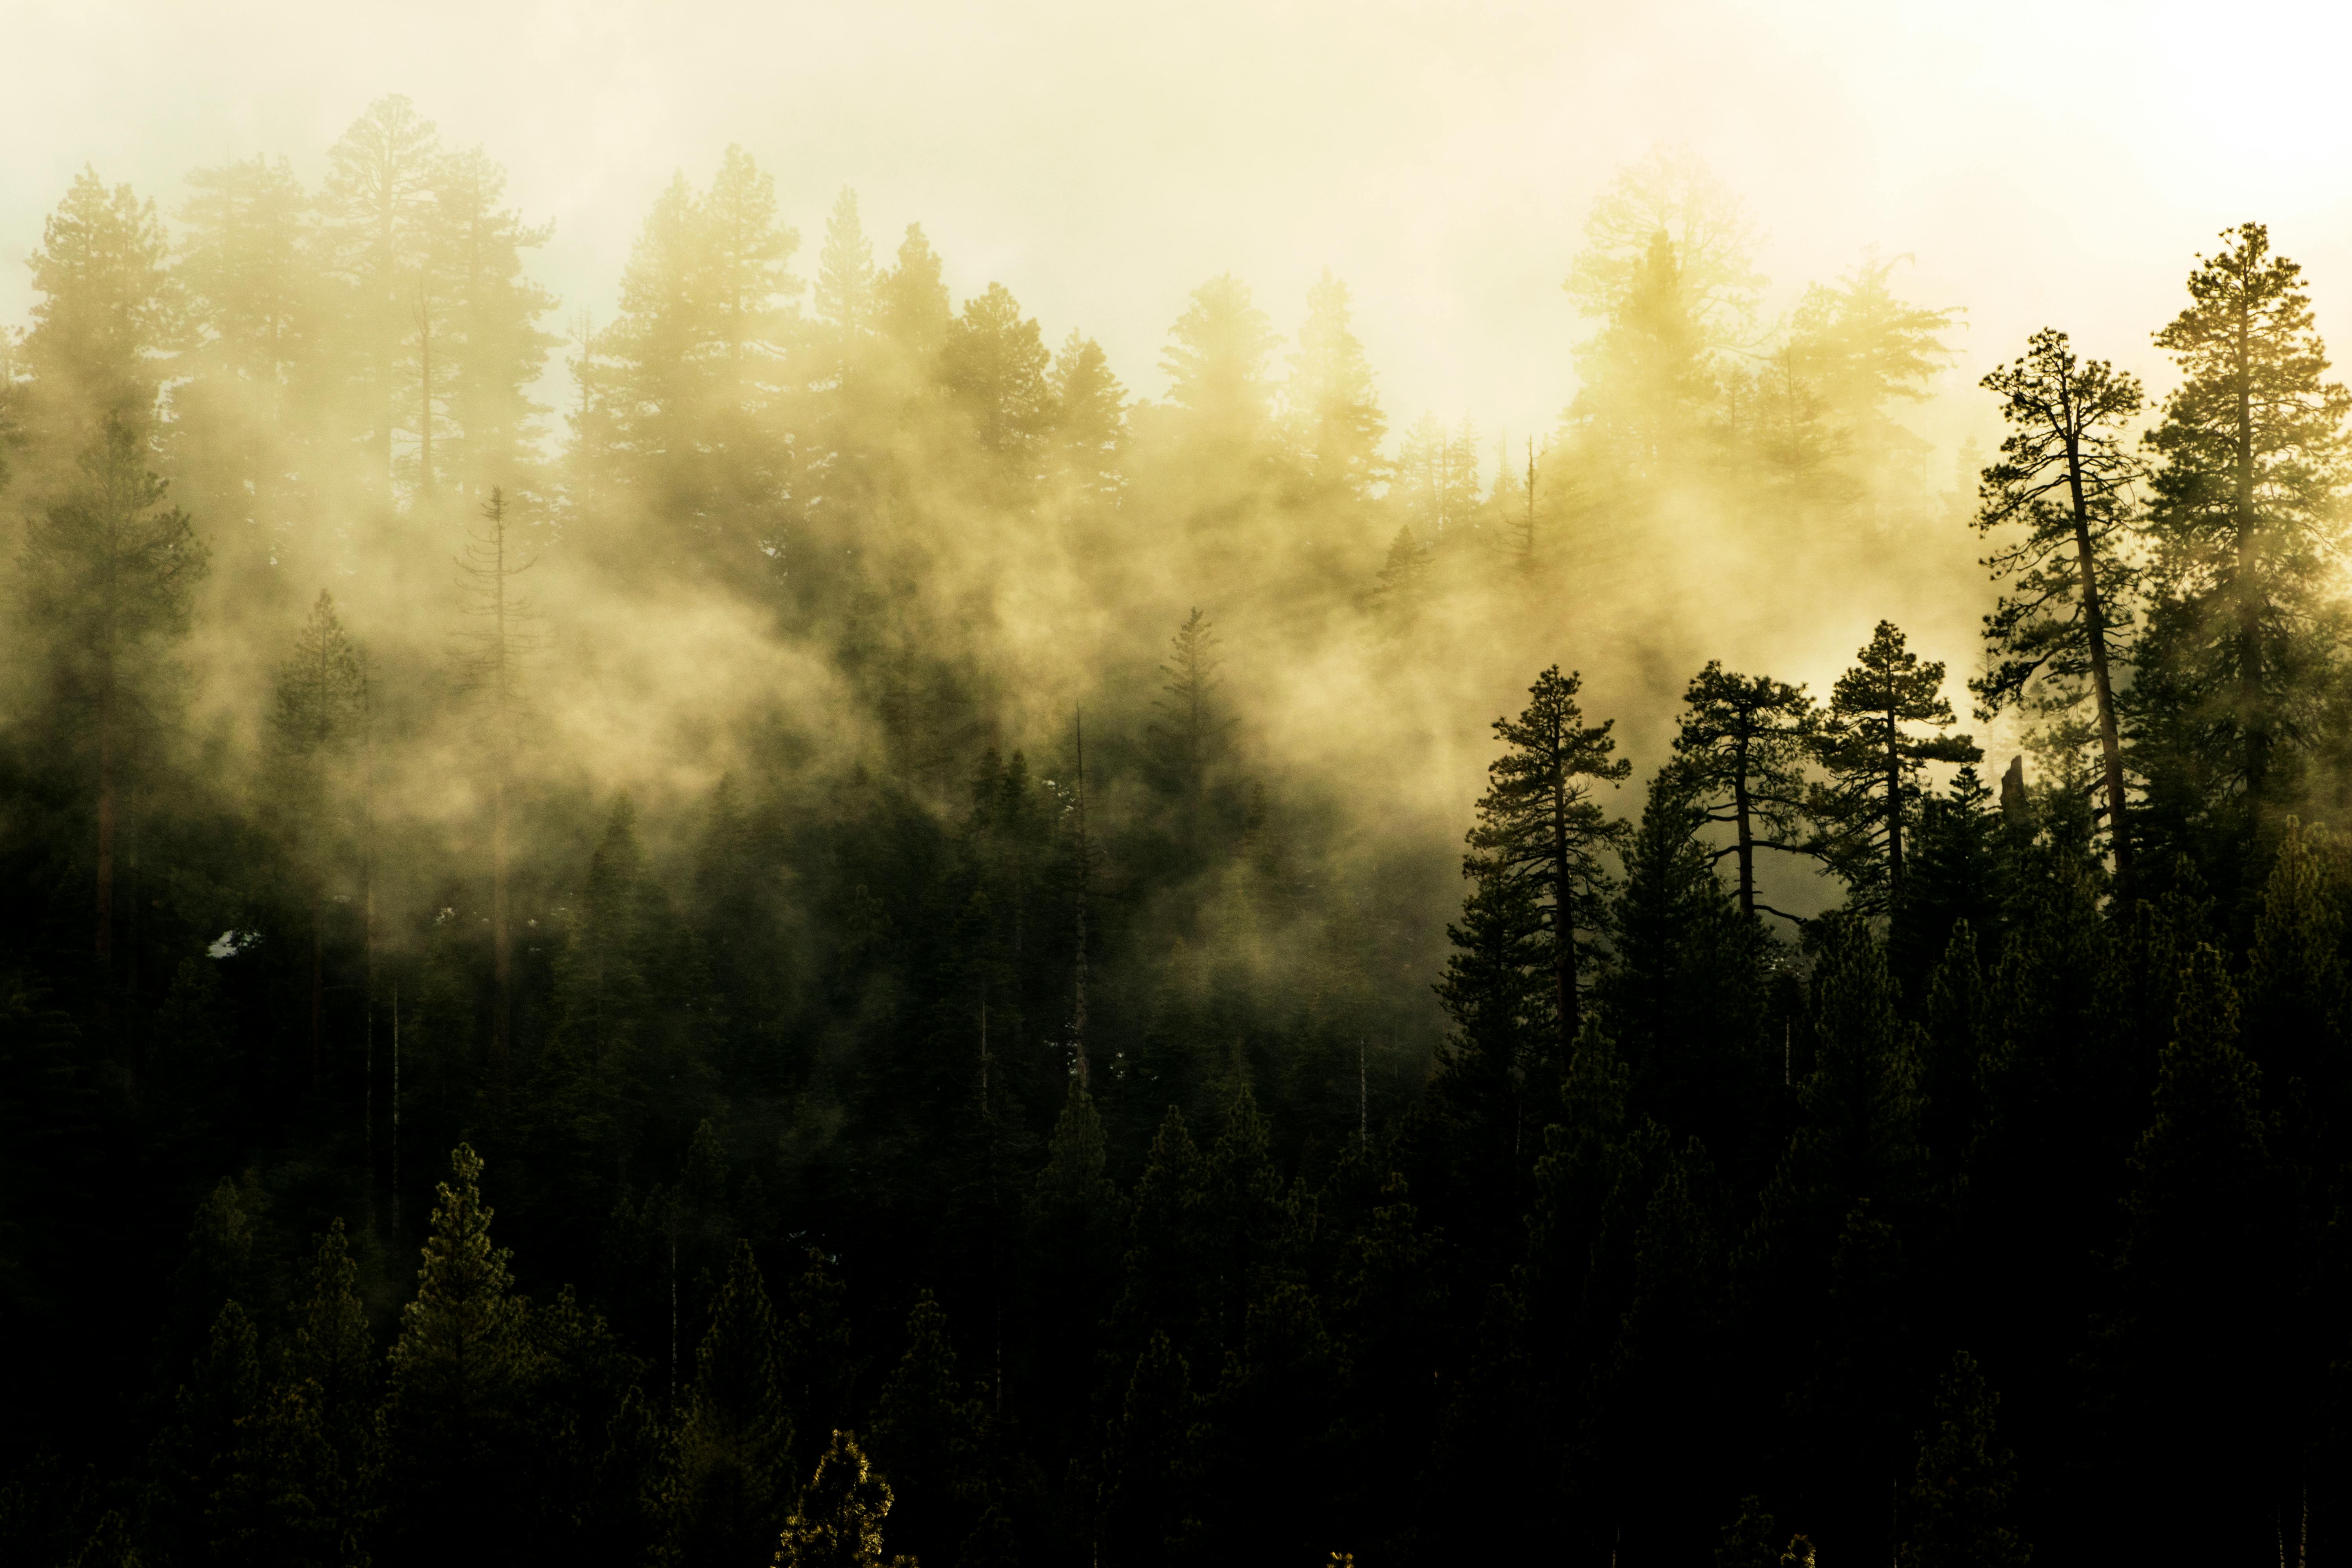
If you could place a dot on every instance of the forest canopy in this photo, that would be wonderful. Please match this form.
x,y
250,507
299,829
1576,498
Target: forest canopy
x,y
792,927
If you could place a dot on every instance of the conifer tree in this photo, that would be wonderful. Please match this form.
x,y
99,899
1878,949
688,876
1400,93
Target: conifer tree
x,y
1742,745
1186,740
1960,1501
1670,193
838,1523
485,346
1859,348
1437,479
683,394
2243,511
500,633
329,1373
1151,1464
377,209
1216,366
110,311
109,572
845,272
931,1439
1089,428
1685,992
911,301
459,1377
2065,476
1403,583
256,308
1539,828
1644,374
995,364
1874,760
196,1456
320,704
726,1487
1076,1233
1334,413
2191,1364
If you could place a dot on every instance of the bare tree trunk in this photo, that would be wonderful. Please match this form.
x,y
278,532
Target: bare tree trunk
x,y
2094,619
425,409
1747,836
1078,989
1564,919
107,783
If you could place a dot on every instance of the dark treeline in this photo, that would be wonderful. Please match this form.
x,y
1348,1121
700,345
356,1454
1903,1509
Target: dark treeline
x,y
815,961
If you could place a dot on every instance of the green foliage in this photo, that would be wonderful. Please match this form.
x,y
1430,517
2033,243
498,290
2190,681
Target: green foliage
x,y
457,1385
1540,832
2065,478
1875,760
1961,1503
1739,751
838,1523
727,1486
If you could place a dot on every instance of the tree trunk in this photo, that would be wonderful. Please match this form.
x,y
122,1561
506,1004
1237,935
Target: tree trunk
x,y
106,807
1894,813
501,948
318,975
2095,618
1746,835
1563,922
2252,710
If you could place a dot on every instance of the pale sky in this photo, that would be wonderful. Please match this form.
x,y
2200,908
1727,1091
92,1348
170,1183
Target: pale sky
x,y
2044,162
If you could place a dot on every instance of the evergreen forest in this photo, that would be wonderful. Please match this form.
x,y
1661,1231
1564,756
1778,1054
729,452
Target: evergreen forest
x,y
790,927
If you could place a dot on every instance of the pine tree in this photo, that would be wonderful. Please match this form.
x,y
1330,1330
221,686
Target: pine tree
x,y
320,711
247,426
1334,410
1960,1501
1187,737
1216,367
846,279
2243,511
1436,479
459,1376
2190,1365
1403,583
329,1386
1148,1511
1076,1222
930,1440
377,209
2065,476
1670,193
1874,761
1685,994
726,1487
911,301
110,312
1644,374
1539,828
484,349
1860,348
1742,745
838,1523
685,391
491,660
110,571
195,1458
993,365
1089,428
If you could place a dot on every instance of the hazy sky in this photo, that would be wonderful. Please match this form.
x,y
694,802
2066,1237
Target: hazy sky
x,y
2043,161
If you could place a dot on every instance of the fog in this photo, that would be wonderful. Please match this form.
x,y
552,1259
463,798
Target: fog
x,y
2042,163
